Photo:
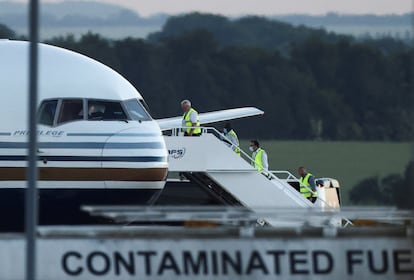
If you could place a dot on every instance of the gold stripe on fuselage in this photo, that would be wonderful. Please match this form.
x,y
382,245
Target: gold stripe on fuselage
x,y
86,174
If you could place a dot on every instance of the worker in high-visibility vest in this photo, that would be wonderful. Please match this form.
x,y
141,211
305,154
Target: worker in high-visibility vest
x,y
191,123
307,183
231,138
259,157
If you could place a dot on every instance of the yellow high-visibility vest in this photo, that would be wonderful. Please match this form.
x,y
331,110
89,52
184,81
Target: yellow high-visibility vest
x,y
188,123
305,186
231,134
258,163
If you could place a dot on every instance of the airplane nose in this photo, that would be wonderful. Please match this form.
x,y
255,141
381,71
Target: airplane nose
x,y
139,153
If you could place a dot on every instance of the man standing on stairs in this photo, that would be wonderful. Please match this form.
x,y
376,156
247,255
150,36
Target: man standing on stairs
x,y
231,138
260,157
191,124
307,183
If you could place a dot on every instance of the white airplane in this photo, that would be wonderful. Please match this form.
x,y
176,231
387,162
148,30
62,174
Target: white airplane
x,y
97,142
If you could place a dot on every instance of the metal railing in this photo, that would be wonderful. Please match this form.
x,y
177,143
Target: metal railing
x,y
289,176
270,174
240,216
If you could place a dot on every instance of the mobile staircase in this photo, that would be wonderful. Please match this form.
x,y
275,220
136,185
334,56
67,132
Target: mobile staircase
x,y
210,163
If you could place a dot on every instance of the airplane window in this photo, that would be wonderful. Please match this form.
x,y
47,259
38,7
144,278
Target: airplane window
x,y
47,112
145,105
71,110
136,110
105,110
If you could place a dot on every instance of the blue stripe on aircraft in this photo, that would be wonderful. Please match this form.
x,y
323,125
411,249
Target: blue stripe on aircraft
x,y
5,133
144,145
84,145
86,158
116,134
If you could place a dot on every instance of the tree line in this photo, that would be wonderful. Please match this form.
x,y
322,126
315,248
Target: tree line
x,y
394,189
311,84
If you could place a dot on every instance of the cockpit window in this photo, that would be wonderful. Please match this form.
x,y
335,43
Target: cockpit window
x,y
47,112
56,112
136,110
71,110
105,110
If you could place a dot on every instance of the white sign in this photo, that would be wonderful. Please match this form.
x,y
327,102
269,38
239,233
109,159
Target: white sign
x,y
224,258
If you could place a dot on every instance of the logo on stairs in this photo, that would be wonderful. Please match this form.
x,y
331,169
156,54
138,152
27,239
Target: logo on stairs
x,y
176,153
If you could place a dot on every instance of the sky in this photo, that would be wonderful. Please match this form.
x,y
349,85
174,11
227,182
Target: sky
x,y
260,7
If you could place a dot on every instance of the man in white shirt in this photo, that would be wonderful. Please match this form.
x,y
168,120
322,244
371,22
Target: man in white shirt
x,y
190,123
259,156
231,138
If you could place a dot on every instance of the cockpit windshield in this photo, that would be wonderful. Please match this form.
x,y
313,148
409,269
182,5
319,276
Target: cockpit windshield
x,y
105,110
136,111
60,111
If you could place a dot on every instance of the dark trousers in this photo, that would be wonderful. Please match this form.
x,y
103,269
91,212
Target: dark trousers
x,y
194,134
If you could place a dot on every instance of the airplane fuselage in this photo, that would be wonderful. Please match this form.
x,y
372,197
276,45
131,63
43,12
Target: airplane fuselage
x,y
96,141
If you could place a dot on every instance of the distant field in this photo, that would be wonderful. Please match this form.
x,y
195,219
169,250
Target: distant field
x,y
136,31
396,31
349,162
115,32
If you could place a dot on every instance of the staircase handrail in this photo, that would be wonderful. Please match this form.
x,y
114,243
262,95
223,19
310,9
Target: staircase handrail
x,y
265,171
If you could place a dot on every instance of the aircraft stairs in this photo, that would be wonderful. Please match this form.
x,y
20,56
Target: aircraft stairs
x,y
209,163
213,188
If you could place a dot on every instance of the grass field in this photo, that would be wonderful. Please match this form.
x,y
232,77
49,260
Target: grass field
x,y
349,162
